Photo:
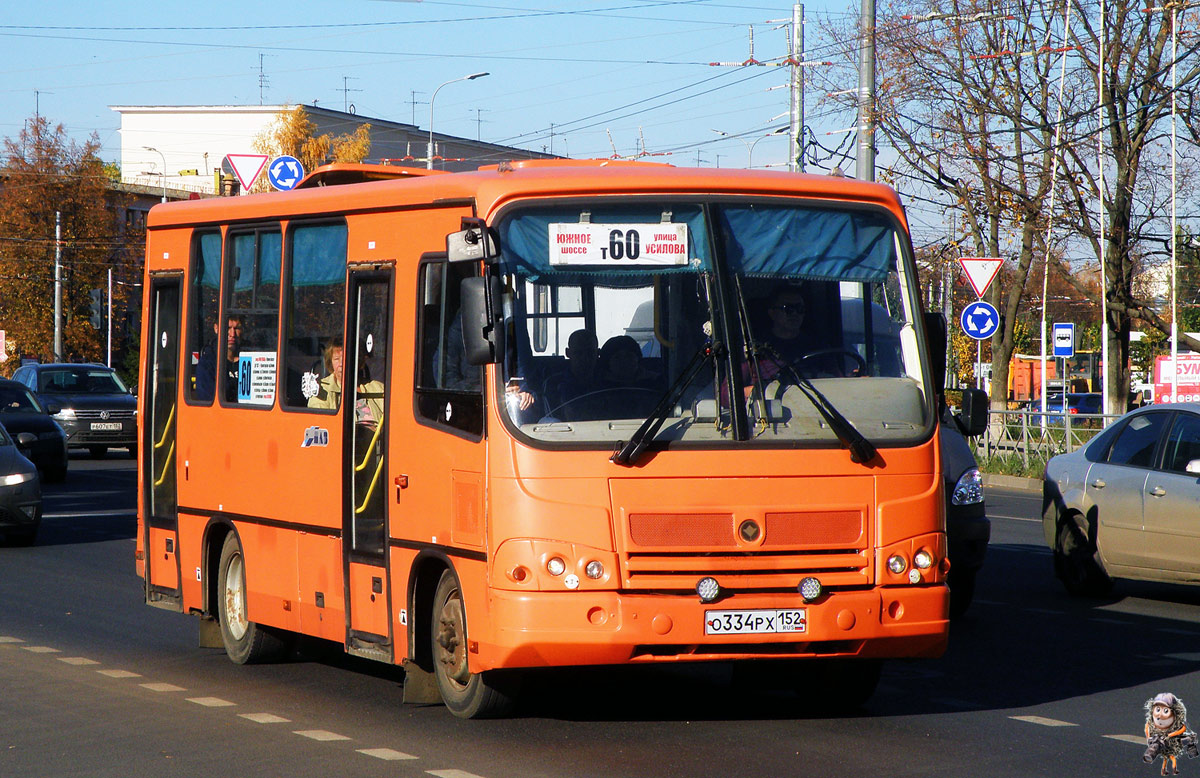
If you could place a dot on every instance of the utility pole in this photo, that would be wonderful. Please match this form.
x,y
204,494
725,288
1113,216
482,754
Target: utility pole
x,y
865,158
796,163
58,353
108,359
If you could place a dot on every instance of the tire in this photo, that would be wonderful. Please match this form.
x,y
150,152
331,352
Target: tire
x,y
25,537
468,695
962,591
245,641
1077,562
97,452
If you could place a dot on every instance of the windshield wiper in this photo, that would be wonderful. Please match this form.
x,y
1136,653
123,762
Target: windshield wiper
x,y
861,449
628,453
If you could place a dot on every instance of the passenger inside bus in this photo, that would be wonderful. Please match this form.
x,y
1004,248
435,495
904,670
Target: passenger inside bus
x,y
369,408
206,370
578,375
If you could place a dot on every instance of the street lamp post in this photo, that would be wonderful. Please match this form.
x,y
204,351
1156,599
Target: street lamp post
x,y
429,148
750,145
164,169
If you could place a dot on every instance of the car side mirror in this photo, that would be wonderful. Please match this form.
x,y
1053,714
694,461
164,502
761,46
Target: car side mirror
x,y
53,409
482,327
1193,466
974,414
472,243
26,439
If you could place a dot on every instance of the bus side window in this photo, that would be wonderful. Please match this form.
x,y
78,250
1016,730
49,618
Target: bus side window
x,y
203,342
316,304
448,388
251,299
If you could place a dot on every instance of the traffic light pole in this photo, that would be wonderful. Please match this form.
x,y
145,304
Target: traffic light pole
x,y
58,286
108,353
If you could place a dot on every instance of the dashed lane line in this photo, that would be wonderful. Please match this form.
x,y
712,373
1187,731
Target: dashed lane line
x,y
265,718
1043,721
1135,739
211,702
451,774
120,673
387,754
162,687
322,735
78,661
7,639
41,650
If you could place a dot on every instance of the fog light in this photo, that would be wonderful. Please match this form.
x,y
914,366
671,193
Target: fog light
x,y
810,589
914,576
923,559
556,566
897,564
708,589
594,570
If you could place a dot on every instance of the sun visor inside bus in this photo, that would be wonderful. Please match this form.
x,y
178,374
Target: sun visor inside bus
x,y
760,240
812,243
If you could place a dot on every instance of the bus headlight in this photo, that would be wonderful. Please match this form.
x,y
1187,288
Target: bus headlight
x,y
708,589
810,589
556,566
897,564
594,569
923,559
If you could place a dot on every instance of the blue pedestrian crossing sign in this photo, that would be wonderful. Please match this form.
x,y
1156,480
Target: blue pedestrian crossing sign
x,y
285,172
979,320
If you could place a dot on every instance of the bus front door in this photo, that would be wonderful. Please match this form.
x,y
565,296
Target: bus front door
x,y
365,421
157,448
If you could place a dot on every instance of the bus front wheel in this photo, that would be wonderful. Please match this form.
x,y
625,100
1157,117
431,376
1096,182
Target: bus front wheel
x,y
468,695
245,642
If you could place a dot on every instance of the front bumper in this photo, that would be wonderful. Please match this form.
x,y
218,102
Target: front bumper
x,y
538,629
80,433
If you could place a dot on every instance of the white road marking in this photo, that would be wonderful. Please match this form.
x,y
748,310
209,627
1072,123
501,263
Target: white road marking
x,y
86,514
1187,657
77,660
322,735
41,650
1045,722
7,639
452,774
1104,620
1013,518
1176,631
1136,739
162,687
386,754
265,718
211,702
119,673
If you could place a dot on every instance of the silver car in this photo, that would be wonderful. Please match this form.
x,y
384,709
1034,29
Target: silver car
x,y
1127,505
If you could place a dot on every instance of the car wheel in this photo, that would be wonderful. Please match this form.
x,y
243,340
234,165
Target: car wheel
x,y
25,537
468,695
245,641
98,452
1076,562
53,474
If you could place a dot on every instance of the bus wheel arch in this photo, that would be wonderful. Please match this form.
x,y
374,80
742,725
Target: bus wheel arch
x,y
246,642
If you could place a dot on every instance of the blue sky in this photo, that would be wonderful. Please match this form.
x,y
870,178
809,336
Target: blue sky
x,y
637,70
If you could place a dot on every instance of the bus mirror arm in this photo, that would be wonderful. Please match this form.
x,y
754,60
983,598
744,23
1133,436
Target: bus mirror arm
x,y
482,330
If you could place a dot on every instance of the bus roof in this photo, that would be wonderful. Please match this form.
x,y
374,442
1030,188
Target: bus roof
x,y
341,189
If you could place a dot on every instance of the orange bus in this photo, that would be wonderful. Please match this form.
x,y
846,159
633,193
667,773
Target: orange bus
x,y
549,413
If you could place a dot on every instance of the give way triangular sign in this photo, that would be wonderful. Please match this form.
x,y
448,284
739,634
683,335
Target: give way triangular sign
x,y
980,271
247,167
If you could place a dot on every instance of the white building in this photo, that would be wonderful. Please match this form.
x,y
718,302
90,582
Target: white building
x,y
189,142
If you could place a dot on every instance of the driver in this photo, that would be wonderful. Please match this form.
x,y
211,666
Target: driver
x,y
787,340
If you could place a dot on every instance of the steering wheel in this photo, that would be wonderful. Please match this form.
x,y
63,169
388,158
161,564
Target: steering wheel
x,y
860,364
590,401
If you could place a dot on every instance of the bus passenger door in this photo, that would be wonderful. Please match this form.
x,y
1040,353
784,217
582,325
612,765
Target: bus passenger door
x,y
364,419
157,447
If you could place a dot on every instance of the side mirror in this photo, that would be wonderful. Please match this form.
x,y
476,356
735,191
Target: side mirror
x,y
482,328
974,415
26,439
472,243
935,335
53,409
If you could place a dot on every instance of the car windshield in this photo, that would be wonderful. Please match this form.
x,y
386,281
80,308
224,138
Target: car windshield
x,y
80,380
17,399
671,309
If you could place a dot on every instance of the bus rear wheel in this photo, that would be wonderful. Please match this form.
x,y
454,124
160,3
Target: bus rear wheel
x,y
245,641
468,695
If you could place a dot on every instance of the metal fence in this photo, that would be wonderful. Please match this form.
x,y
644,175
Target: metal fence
x,y
1032,439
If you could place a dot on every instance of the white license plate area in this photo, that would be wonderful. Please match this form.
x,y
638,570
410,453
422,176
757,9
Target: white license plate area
x,y
755,622
106,426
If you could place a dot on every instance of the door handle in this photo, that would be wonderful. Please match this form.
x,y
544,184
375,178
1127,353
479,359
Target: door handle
x,y
1158,491
1098,483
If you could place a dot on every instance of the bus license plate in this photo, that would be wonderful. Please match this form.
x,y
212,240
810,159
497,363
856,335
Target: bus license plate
x,y
754,622
106,426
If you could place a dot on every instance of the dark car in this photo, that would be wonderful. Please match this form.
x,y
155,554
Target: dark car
x,y
968,528
1087,403
90,403
20,493
45,444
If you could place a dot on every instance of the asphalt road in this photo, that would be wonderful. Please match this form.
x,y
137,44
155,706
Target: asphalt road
x,y
96,683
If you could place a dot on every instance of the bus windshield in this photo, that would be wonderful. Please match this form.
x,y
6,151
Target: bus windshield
x,y
707,312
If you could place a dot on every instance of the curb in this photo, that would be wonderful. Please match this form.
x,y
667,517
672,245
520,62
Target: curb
x,y
1013,482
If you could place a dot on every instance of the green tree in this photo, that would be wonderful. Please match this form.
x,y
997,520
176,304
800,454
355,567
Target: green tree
x,y
46,173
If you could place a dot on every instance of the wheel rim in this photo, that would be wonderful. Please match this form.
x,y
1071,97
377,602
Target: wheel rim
x,y
235,599
451,643
1074,556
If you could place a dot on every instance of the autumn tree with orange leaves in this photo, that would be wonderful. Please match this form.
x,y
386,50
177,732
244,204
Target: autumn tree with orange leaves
x,y
42,173
292,133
